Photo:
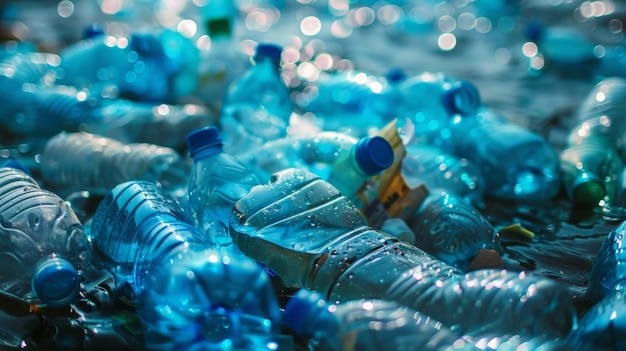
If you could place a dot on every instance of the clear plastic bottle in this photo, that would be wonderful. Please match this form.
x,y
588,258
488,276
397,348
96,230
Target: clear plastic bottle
x,y
591,169
89,162
603,326
208,299
366,324
368,157
516,163
437,169
562,47
430,99
222,62
261,86
311,236
44,250
217,181
138,122
134,227
452,230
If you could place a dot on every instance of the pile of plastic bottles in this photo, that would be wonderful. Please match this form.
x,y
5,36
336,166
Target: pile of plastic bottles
x,y
168,184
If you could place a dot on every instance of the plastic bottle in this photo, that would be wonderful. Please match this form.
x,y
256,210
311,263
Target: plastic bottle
x,y
602,110
222,62
135,226
366,324
591,170
430,99
301,228
602,326
368,157
137,122
516,163
217,181
562,46
44,249
207,299
140,66
607,273
261,86
430,165
452,230
349,102
46,111
89,162
315,152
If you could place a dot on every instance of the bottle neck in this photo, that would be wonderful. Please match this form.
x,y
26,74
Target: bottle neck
x,y
208,152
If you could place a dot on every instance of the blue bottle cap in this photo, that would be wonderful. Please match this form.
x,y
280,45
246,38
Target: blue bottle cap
x,y
395,75
374,154
92,31
271,51
56,282
462,97
11,163
533,31
298,311
203,139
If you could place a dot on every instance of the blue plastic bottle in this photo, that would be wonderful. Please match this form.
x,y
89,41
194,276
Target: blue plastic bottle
x,y
608,273
366,324
603,326
207,299
311,236
430,165
516,163
350,102
261,86
89,162
44,250
142,66
368,157
217,181
134,227
429,100
452,230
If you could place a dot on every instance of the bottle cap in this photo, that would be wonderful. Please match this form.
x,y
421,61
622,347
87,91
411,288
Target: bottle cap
x,y
533,31
218,26
588,190
374,154
271,51
462,97
395,75
203,139
56,282
298,310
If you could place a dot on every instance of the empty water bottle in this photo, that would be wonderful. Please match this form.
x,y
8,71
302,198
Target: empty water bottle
x,y
603,110
222,61
309,235
430,165
44,249
516,163
366,324
206,299
139,122
350,102
139,66
261,86
429,100
562,46
217,181
452,230
591,169
88,162
607,272
134,227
